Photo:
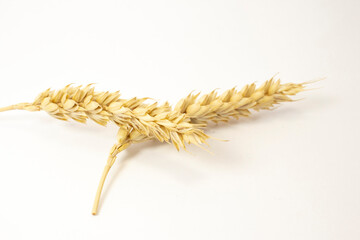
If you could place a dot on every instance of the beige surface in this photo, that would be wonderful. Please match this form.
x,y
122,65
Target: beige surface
x,y
292,173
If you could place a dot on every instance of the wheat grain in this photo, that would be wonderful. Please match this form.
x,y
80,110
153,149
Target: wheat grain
x,y
139,121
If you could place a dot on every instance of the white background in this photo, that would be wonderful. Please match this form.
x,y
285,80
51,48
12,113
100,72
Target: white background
x,y
292,173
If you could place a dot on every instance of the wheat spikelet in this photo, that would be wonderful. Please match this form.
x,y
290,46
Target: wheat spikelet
x,y
139,121
233,103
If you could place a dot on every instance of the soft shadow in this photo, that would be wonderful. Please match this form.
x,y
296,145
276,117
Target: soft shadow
x,y
173,167
121,161
177,169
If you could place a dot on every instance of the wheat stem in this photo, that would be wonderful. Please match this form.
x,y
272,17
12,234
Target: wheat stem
x,y
20,106
8,108
99,189
116,149
3,109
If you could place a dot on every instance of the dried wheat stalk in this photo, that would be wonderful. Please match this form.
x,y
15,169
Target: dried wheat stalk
x,y
139,121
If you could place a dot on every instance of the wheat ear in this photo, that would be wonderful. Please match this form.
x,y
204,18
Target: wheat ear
x,y
139,121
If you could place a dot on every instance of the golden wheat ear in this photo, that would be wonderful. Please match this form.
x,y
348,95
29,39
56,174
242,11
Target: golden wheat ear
x,y
139,121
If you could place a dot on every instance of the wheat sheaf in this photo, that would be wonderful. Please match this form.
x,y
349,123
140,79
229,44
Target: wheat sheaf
x,y
139,121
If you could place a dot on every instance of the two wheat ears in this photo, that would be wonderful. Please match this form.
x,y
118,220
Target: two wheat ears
x,y
139,121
